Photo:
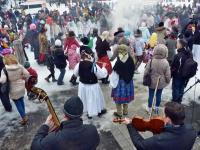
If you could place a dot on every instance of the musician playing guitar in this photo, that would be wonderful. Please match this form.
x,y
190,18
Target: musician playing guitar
x,y
72,133
175,136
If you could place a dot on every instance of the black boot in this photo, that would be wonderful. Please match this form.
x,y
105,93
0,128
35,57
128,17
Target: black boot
x,y
47,79
54,80
73,80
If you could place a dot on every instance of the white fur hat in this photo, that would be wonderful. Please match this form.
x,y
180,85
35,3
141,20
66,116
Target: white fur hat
x,y
58,43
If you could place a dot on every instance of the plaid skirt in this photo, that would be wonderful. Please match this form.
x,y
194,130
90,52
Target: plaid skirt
x,y
123,93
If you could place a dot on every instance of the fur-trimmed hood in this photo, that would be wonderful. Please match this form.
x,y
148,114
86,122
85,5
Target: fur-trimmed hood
x,y
160,29
160,52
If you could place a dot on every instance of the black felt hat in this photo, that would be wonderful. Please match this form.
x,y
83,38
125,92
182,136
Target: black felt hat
x,y
85,40
73,107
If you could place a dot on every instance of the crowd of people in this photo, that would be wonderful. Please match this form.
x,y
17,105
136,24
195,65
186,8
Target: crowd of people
x,y
167,41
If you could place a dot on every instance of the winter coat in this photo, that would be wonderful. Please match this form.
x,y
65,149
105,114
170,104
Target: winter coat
x,y
72,135
73,58
178,62
16,75
161,33
145,33
19,51
69,42
172,138
43,43
159,67
50,60
59,58
138,46
171,45
196,39
1,63
101,48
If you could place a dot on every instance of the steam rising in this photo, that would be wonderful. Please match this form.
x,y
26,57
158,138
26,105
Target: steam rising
x,y
127,14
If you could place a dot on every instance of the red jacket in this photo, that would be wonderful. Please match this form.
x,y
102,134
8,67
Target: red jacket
x,y
69,42
32,72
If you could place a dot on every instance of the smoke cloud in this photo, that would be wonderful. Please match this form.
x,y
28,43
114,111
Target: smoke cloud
x,y
127,14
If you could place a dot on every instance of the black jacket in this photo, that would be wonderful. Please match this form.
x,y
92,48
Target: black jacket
x,y
60,58
50,60
73,135
173,138
196,39
125,70
102,47
1,64
178,62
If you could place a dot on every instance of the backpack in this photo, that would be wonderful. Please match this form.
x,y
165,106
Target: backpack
x,y
5,87
189,68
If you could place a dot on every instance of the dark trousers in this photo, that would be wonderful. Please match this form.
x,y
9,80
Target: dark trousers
x,y
178,86
5,100
158,97
52,73
61,76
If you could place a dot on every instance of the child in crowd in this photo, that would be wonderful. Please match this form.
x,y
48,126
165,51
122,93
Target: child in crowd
x,y
50,66
32,80
74,59
138,46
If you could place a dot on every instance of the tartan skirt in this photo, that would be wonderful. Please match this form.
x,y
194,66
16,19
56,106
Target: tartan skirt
x,y
123,93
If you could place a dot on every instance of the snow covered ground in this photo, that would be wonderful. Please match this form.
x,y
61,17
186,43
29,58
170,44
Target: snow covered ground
x,y
10,120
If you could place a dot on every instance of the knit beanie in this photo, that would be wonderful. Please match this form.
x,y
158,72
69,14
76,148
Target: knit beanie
x,y
73,107
32,26
27,64
58,42
85,40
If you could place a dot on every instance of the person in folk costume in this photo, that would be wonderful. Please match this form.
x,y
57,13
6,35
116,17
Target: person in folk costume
x,y
43,43
19,50
85,44
102,47
89,89
159,67
126,42
17,75
83,47
69,41
95,40
138,45
124,92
